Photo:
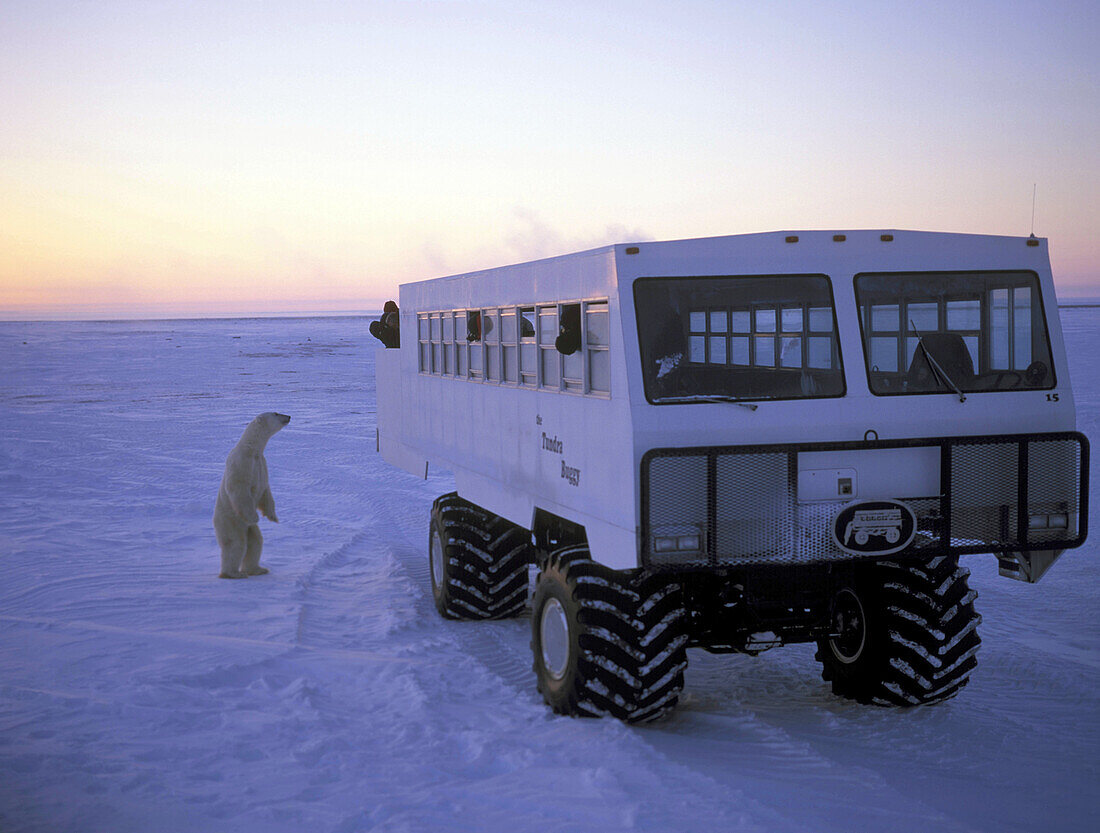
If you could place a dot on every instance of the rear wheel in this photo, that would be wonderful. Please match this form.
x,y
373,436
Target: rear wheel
x,y
604,643
903,634
478,561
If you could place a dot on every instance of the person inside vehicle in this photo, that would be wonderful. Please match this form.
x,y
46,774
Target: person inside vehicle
x,y
387,329
568,341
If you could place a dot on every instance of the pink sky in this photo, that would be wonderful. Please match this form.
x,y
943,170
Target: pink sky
x,y
180,158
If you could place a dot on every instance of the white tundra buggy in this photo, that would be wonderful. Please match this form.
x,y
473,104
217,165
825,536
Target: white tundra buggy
x,y
736,443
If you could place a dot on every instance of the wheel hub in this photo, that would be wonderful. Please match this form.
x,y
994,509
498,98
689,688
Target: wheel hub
x,y
437,560
554,636
849,627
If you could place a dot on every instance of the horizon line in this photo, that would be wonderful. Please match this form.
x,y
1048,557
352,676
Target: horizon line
x,y
1083,302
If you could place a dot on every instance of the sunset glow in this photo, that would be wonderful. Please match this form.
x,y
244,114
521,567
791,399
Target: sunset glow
x,y
182,158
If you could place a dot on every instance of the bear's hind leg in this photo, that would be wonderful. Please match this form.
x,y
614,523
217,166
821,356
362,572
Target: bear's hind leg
x,y
233,545
251,565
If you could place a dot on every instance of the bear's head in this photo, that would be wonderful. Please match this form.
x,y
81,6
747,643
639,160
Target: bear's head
x,y
267,424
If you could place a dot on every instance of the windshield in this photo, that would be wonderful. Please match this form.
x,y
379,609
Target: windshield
x,y
737,338
949,332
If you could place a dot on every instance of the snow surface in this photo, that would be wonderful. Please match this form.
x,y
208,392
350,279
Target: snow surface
x,y
138,692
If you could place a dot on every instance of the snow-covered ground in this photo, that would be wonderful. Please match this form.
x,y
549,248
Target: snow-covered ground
x,y
138,692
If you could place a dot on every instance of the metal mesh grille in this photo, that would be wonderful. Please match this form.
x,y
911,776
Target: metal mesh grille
x,y
715,507
679,506
753,518
985,490
1050,464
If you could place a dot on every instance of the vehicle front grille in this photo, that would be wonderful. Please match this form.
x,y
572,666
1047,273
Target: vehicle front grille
x,y
728,506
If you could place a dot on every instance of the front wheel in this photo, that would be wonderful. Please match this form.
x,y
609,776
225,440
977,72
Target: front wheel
x,y
605,643
902,634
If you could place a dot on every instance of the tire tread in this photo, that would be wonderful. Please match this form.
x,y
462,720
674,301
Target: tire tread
x,y
926,635
487,558
632,650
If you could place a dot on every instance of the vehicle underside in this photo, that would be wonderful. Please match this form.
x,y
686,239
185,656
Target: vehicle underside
x,y
751,610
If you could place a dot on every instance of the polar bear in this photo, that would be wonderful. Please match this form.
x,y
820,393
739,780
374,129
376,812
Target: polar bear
x,y
243,491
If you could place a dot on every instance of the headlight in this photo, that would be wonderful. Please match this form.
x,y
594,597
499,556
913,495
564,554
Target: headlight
x,y
1058,520
678,543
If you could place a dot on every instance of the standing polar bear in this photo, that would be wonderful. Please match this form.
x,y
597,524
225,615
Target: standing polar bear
x,y
243,491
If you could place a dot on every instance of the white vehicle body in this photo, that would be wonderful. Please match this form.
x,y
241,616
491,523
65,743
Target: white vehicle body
x,y
702,481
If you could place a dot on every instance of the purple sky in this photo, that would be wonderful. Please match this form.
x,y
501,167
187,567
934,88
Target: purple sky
x,y
257,157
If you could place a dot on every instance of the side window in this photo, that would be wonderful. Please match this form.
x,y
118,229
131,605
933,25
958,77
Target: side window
x,y
490,337
448,344
423,335
462,350
528,350
549,357
559,347
572,364
509,345
597,346
473,343
437,342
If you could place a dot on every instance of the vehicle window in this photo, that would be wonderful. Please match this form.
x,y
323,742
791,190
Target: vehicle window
x,y
473,342
461,347
597,346
508,345
437,347
946,331
549,356
425,345
490,334
448,344
572,344
559,347
528,352
753,337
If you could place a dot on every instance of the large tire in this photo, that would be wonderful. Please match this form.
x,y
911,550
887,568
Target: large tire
x,y
904,634
478,561
605,645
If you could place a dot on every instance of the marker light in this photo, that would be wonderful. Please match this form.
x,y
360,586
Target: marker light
x,y
1056,521
677,543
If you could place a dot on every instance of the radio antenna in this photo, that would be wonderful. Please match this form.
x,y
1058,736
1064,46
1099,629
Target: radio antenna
x,y
1033,186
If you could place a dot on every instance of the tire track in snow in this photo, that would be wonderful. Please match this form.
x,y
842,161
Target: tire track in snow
x,y
356,595
198,638
772,726
501,647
